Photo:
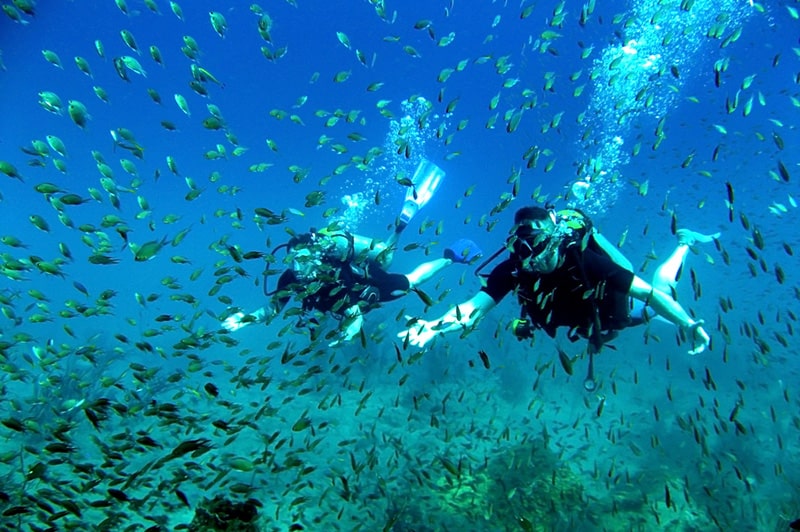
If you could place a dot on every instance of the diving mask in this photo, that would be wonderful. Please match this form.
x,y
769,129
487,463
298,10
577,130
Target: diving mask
x,y
305,264
535,245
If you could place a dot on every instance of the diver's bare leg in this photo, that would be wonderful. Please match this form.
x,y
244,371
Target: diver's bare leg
x,y
426,270
667,275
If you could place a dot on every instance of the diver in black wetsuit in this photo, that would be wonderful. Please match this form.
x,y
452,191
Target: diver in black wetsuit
x,y
566,274
337,272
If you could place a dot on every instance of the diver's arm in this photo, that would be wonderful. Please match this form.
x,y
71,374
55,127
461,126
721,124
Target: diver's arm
x,y
460,317
612,251
670,309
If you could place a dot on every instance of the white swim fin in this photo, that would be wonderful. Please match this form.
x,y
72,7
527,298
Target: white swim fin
x,y
426,180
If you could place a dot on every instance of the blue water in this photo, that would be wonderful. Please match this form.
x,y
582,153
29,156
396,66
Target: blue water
x,y
637,133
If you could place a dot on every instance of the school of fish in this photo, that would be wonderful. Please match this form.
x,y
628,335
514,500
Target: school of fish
x,y
140,205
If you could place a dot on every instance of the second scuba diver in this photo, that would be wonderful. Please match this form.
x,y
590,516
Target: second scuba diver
x,y
337,272
566,274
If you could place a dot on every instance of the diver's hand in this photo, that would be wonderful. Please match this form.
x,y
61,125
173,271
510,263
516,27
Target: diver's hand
x,y
700,338
420,333
234,322
352,329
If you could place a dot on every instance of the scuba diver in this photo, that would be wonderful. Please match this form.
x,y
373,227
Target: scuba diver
x,y
566,274
337,272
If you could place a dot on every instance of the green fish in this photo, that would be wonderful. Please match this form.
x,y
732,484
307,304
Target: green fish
x,y
13,14
57,144
83,65
148,250
39,222
132,64
127,38
176,10
45,188
265,26
51,102
219,23
154,96
155,53
78,113
342,36
52,58
40,148
10,170
119,66
101,93
182,104
201,74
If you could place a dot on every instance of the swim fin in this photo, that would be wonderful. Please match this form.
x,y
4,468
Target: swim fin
x,y
426,180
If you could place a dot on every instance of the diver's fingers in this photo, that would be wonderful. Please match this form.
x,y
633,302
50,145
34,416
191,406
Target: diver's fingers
x,y
699,336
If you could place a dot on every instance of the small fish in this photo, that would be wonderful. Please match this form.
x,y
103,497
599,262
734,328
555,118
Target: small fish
x,y
783,171
52,58
301,424
344,39
341,76
422,24
423,296
10,170
39,223
182,497
176,9
101,93
398,354
450,467
183,105
600,406
132,64
196,447
83,66
218,22
241,464
410,50
484,358
78,113
50,102
14,424
127,38
566,361
148,250
729,188
122,72
57,144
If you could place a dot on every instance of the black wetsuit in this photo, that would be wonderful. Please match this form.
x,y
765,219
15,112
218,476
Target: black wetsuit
x,y
584,286
343,284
